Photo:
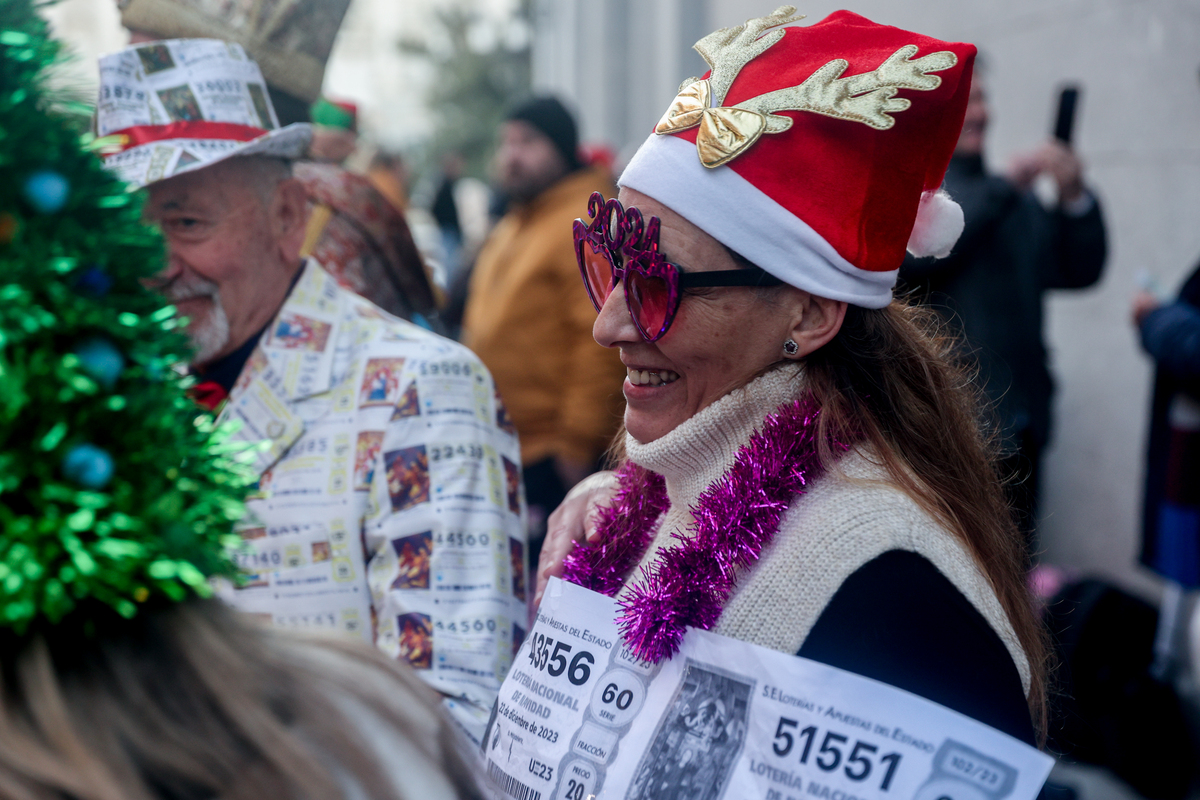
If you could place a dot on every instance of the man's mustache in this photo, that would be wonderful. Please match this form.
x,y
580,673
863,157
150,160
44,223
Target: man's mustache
x,y
182,288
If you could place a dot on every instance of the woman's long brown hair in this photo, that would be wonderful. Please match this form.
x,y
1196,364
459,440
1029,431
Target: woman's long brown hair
x,y
891,378
191,702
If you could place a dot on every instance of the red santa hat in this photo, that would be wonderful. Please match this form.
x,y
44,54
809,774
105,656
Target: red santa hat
x,y
816,152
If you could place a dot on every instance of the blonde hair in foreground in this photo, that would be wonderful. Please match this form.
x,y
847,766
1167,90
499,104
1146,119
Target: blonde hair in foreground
x,y
192,701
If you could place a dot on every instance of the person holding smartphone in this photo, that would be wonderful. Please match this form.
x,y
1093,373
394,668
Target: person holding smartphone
x,y
992,285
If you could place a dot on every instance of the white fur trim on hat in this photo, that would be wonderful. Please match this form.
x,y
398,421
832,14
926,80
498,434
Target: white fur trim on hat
x,y
740,216
939,224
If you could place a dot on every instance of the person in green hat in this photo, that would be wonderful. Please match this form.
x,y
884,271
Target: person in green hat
x,y
335,130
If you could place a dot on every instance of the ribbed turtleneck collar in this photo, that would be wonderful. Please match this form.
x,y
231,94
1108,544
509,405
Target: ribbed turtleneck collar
x,y
701,450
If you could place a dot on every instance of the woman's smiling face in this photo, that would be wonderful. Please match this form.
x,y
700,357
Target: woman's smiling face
x,y
720,340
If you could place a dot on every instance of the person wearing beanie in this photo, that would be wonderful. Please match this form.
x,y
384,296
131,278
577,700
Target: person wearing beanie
x,y
335,130
803,466
526,319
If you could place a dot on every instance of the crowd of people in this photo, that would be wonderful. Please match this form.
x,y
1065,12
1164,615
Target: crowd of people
x,y
699,325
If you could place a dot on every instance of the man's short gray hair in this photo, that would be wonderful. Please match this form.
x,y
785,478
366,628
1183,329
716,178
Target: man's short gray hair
x,y
263,173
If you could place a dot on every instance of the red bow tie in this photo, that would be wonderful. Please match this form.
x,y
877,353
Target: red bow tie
x,y
209,394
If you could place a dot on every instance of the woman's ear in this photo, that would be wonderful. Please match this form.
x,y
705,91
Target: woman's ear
x,y
819,320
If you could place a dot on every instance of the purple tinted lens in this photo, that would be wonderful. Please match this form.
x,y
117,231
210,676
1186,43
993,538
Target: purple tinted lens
x,y
597,271
649,302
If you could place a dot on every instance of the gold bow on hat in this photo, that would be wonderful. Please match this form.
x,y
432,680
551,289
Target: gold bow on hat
x,y
724,131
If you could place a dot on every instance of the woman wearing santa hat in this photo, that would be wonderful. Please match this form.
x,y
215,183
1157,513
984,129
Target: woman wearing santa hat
x,y
803,465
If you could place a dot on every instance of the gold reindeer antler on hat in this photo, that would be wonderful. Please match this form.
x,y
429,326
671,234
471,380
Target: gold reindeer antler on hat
x,y
725,132
730,49
869,98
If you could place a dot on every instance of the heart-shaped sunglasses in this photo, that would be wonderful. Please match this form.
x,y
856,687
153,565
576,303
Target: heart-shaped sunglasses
x,y
653,286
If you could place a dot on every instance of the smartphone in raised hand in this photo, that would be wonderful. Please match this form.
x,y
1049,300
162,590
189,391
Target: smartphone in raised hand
x,y
1064,121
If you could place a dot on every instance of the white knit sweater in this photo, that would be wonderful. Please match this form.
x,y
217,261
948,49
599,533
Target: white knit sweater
x,y
847,518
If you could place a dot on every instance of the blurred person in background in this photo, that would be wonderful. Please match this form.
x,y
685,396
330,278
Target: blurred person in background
x,y
1125,666
335,130
993,284
1170,335
461,210
389,174
445,213
361,410
364,239
361,238
526,318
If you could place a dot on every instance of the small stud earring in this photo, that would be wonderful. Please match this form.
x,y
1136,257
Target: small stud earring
x,y
790,347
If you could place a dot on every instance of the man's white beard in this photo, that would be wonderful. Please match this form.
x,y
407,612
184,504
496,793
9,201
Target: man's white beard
x,y
211,334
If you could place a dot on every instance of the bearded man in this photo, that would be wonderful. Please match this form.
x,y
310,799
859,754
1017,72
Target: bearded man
x,y
388,504
526,317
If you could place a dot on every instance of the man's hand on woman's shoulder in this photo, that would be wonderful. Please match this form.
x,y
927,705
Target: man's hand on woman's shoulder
x,y
573,521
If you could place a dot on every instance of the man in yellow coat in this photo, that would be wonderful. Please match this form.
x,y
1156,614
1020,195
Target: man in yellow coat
x,y
528,318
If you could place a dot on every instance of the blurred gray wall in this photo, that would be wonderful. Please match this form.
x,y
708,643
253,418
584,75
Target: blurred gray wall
x,y
1138,129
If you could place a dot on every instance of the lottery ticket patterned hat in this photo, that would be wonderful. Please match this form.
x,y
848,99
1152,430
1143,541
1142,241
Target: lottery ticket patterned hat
x,y
816,152
181,105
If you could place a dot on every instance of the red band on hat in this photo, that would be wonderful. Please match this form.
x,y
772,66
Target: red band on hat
x,y
187,129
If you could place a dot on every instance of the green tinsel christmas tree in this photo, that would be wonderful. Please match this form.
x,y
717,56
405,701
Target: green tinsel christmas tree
x,y
114,487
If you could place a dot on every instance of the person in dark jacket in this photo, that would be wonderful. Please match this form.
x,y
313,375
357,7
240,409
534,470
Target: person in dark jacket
x,y
1170,334
1011,252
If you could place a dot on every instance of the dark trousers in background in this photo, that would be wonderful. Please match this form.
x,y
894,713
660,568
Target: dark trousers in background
x,y
544,491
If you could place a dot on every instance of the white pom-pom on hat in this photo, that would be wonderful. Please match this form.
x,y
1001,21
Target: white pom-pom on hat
x,y
938,225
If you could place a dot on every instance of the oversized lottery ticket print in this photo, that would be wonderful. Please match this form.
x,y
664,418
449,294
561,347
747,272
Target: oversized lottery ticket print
x,y
384,508
580,717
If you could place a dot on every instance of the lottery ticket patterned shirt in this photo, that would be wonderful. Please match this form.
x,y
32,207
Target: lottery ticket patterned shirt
x,y
389,504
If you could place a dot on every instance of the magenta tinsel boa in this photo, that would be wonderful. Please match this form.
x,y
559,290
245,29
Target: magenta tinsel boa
x,y
689,582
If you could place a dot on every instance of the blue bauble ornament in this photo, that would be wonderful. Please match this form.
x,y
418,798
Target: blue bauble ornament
x,y
100,359
93,281
89,466
47,191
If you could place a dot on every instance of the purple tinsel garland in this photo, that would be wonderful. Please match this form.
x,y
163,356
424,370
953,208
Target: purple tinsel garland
x,y
690,582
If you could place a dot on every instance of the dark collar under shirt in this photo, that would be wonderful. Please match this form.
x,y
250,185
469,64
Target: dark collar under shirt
x,y
225,370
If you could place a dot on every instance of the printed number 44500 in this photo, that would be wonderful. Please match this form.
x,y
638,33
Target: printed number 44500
x,y
858,765
550,656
